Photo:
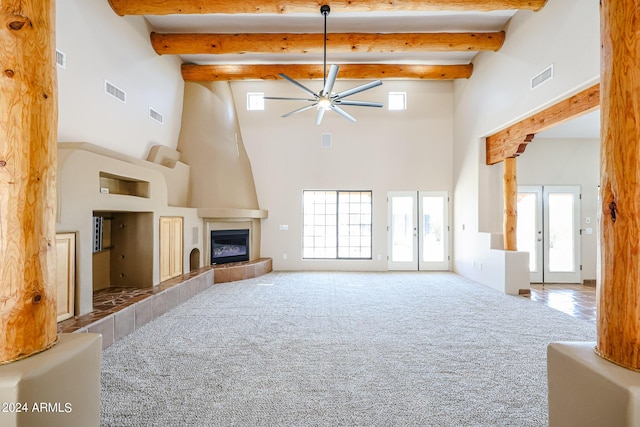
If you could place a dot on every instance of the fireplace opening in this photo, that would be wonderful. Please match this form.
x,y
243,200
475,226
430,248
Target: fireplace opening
x,y
229,246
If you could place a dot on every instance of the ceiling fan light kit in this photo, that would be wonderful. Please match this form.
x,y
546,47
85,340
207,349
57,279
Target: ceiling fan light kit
x,y
326,99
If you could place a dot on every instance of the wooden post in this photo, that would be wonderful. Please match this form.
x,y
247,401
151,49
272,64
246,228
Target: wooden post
x,y
510,221
618,322
28,149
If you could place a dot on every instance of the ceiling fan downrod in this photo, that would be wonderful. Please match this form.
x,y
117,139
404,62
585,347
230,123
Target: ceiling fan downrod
x,y
324,10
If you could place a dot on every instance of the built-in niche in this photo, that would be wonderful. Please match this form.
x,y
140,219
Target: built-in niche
x,y
115,184
122,249
194,259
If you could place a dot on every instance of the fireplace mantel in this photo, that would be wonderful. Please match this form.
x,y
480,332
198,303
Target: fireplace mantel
x,y
232,213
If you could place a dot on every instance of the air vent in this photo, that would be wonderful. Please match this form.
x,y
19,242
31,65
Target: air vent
x,y
115,92
325,140
61,59
155,115
543,77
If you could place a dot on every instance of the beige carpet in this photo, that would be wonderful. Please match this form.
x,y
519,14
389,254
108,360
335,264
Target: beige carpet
x,y
339,349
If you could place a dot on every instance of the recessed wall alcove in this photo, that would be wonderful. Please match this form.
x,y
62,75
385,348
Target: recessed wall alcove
x,y
194,260
124,257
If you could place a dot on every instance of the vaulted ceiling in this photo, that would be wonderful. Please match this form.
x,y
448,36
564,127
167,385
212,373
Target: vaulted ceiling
x,y
257,39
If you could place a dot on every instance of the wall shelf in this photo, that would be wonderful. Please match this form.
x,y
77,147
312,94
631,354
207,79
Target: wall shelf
x,y
114,184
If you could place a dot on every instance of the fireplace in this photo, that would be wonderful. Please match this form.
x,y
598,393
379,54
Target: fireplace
x,y
229,246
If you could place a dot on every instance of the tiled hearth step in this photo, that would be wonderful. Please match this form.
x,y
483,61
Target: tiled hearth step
x,y
234,271
119,311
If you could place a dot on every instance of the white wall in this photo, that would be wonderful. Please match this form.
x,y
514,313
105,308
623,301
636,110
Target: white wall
x,y
101,45
564,33
383,151
568,162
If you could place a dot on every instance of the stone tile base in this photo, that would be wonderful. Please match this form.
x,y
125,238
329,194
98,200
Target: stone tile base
x,y
122,320
234,271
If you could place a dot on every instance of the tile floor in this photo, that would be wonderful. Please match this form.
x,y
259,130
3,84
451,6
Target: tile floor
x,y
110,301
576,300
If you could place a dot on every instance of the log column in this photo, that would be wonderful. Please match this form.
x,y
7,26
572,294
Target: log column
x,y
28,149
619,288
510,220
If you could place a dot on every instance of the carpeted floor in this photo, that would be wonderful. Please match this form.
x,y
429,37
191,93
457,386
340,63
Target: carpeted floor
x,y
339,349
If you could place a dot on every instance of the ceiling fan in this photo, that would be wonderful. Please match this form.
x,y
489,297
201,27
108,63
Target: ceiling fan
x,y
326,99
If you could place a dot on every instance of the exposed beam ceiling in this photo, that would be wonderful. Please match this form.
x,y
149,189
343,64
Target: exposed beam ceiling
x,y
197,43
172,7
258,39
203,73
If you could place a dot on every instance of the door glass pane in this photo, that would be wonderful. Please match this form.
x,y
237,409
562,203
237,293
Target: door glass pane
x,y
527,227
432,229
402,208
561,255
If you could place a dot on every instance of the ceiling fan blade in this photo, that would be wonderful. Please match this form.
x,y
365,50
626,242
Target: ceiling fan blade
x,y
357,89
320,116
359,103
331,80
300,110
343,113
288,99
301,86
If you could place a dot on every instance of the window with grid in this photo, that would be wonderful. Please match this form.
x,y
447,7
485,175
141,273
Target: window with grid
x,y
337,224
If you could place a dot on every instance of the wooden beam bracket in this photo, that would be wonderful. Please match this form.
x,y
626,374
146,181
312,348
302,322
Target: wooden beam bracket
x,y
513,140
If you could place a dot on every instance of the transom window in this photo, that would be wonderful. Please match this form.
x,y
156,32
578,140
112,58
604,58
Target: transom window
x,y
337,224
397,101
255,101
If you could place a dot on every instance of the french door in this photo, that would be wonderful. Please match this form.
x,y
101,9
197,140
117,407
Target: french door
x,y
418,230
549,229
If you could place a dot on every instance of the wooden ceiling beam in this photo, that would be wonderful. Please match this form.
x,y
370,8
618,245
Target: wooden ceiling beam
x,y
170,7
208,73
512,141
313,43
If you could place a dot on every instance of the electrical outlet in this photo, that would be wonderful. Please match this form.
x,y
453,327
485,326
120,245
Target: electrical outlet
x,y
284,256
